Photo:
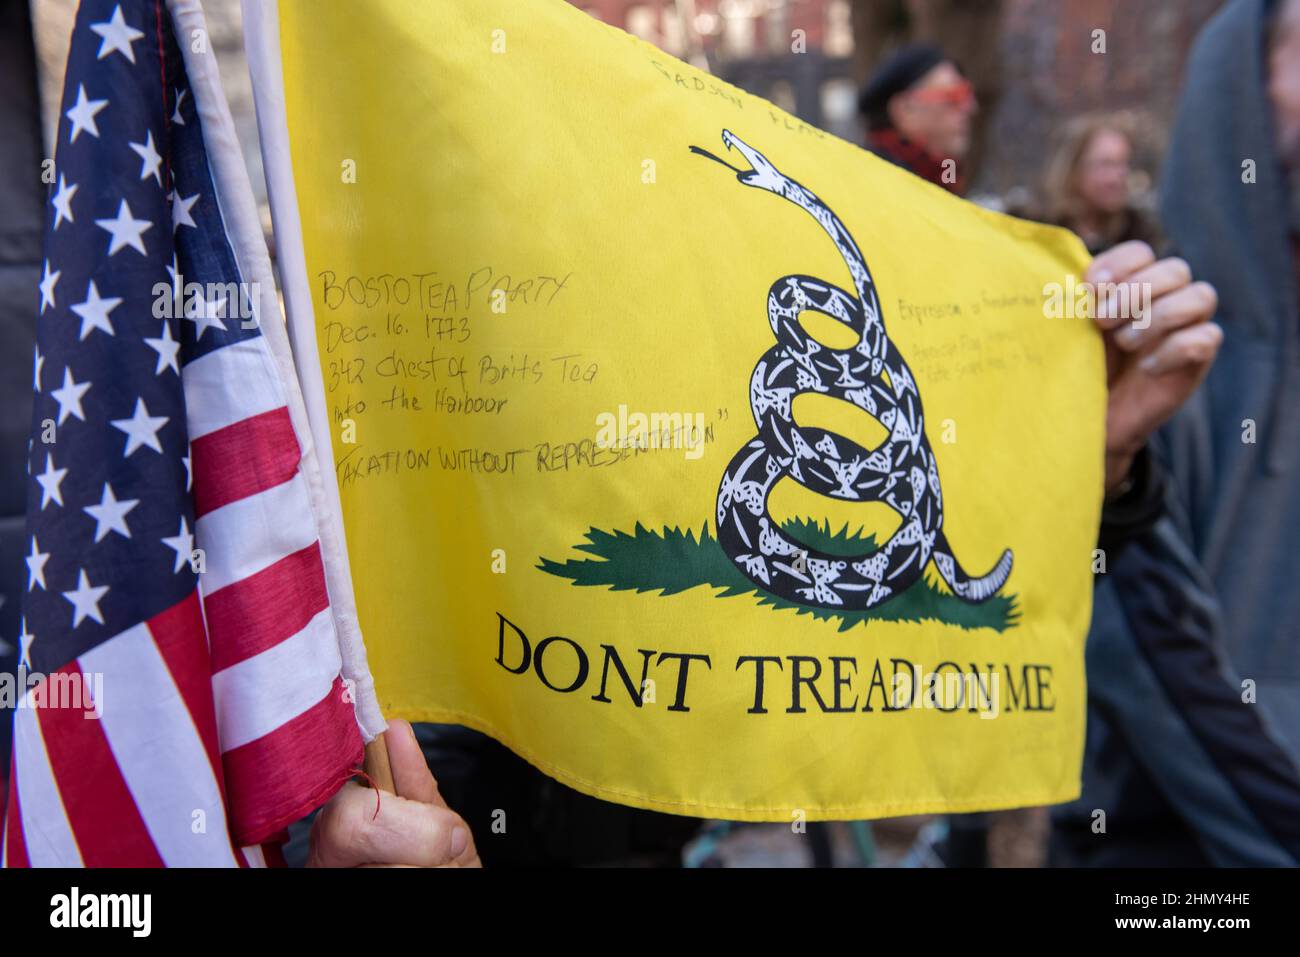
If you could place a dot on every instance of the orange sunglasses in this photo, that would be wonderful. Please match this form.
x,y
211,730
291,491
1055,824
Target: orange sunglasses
x,y
958,94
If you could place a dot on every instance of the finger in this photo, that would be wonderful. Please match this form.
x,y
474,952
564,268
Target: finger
x,y
1118,262
1130,300
1107,275
1163,277
414,781
411,775
1190,349
1184,307
348,832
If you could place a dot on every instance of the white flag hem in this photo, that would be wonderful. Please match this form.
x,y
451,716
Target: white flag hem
x,y
302,383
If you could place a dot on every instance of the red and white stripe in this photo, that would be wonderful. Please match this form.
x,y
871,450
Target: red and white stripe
x,y
134,779
220,724
285,722
226,717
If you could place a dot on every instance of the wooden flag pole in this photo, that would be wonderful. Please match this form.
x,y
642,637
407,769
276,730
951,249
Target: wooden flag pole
x,y
377,765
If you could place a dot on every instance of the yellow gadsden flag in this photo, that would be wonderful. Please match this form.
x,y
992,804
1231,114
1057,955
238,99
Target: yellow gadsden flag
x,y
708,462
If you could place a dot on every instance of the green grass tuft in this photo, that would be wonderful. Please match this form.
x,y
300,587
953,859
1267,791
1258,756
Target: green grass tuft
x,y
673,560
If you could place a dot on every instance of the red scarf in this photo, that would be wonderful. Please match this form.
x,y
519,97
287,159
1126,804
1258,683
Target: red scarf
x,y
900,151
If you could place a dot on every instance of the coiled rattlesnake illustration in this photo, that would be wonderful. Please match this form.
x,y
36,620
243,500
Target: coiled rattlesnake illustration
x,y
901,472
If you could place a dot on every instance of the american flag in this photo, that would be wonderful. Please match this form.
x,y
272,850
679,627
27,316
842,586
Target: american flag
x,y
183,700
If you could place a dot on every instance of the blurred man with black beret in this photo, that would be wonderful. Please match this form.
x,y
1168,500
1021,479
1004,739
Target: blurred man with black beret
x,y
919,107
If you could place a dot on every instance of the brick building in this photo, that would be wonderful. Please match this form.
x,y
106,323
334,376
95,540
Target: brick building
x,y
1050,73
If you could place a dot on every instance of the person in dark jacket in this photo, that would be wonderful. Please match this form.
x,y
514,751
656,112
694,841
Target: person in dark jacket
x,y
22,218
1194,654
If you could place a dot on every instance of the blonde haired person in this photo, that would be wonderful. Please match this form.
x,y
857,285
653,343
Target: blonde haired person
x,y
1087,185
